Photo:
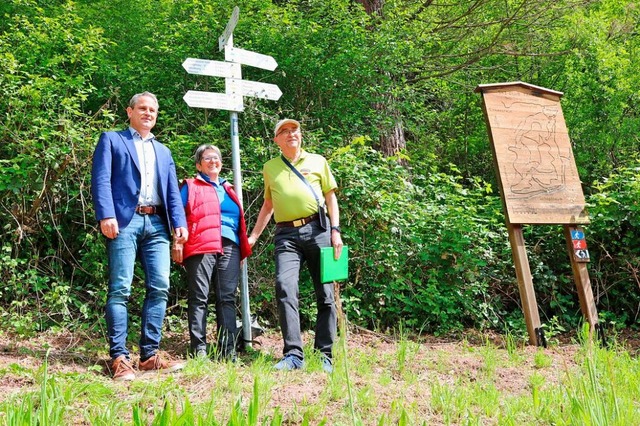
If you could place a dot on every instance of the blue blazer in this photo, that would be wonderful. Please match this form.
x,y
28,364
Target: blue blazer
x,y
115,180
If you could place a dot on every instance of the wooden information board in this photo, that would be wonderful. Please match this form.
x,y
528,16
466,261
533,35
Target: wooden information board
x,y
539,184
535,166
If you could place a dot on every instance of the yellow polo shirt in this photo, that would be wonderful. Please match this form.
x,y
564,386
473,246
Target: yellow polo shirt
x,y
291,198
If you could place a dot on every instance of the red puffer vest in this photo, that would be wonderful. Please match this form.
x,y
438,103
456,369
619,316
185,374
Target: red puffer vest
x,y
203,219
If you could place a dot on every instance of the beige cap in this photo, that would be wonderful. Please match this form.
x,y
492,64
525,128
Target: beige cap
x,y
283,122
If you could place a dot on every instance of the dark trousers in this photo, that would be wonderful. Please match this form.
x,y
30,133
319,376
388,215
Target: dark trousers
x,y
293,247
213,273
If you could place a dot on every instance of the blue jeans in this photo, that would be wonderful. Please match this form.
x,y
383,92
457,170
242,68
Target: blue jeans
x,y
293,247
218,274
146,238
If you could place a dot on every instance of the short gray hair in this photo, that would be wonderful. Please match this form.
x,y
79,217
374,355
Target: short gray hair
x,y
197,157
134,98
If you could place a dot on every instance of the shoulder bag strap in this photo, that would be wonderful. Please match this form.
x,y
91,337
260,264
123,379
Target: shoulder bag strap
x,y
301,178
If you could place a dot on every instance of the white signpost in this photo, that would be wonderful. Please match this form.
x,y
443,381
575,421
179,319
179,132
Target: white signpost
x,y
253,88
196,99
227,34
235,86
246,57
212,68
232,100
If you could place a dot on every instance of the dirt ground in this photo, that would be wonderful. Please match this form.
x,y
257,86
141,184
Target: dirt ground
x,y
443,360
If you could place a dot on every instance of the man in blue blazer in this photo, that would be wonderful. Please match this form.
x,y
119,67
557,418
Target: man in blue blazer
x,y
137,202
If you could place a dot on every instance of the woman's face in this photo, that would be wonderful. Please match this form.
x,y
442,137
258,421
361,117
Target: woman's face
x,y
210,164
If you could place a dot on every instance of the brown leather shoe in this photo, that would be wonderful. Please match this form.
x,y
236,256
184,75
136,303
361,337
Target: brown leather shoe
x,y
122,369
156,363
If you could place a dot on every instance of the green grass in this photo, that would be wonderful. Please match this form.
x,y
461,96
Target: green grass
x,y
374,383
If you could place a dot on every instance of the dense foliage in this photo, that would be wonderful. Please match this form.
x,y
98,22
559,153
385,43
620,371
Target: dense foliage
x,y
426,229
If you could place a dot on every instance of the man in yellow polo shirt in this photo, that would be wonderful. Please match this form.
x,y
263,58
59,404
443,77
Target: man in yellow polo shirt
x,y
298,239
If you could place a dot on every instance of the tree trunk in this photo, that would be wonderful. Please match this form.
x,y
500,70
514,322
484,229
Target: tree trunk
x,y
372,7
391,139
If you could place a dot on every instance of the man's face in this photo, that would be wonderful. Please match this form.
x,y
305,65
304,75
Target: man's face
x,y
142,116
288,137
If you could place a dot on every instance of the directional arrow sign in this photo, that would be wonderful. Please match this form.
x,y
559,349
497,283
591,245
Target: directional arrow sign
x,y
197,99
247,57
253,88
212,68
228,31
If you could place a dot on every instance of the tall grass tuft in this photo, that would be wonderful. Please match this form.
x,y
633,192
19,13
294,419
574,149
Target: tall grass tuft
x,y
355,421
604,391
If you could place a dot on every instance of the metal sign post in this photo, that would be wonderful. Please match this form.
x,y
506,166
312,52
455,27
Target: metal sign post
x,y
232,100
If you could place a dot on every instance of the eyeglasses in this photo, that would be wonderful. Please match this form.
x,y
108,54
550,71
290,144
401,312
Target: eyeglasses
x,y
289,131
211,158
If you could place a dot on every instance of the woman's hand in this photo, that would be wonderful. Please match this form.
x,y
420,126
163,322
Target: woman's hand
x,y
176,252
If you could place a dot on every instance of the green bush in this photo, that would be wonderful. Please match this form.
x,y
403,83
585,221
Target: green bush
x,y
422,243
46,139
614,244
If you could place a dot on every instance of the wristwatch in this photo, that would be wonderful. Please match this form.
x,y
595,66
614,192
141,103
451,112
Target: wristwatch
x,y
336,228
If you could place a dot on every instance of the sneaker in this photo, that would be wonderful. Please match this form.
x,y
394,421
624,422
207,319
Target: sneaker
x,y
201,353
289,362
230,356
156,363
327,365
122,369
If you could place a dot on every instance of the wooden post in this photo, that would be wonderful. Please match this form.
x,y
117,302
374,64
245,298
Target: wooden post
x,y
525,282
342,323
581,275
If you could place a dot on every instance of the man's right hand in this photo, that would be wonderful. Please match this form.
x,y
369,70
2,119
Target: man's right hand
x,y
109,227
263,218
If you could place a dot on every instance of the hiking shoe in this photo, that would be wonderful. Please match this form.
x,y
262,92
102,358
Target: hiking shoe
x,y
201,353
231,358
227,356
289,362
122,369
156,363
327,365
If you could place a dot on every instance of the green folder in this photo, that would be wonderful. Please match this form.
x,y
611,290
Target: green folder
x,y
331,269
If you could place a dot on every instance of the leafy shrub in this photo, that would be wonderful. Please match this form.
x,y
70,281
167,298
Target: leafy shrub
x,y
46,138
614,243
422,244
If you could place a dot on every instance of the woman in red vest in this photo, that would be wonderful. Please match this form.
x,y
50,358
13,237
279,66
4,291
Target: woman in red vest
x,y
212,254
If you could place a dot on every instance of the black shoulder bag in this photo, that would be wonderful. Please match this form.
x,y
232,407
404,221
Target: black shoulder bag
x,y
322,214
